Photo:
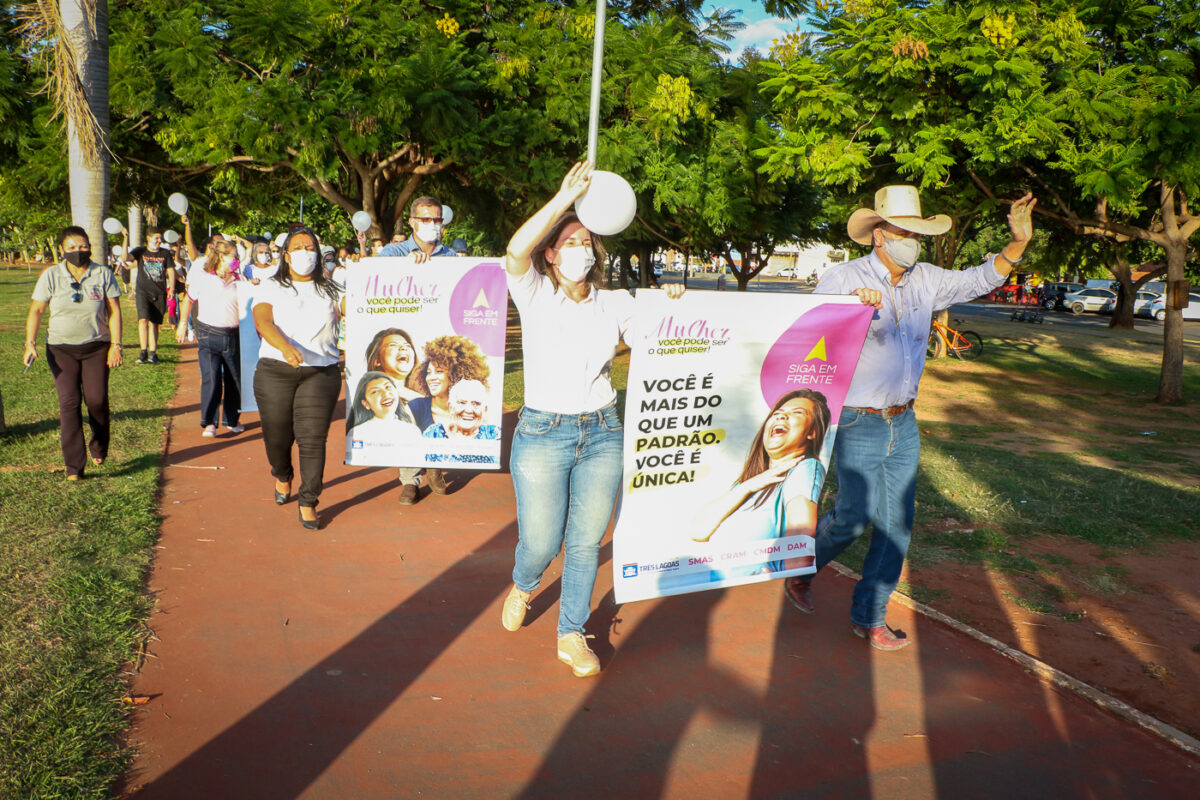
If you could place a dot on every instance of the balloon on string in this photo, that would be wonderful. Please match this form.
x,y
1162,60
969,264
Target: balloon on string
x,y
118,251
171,237
178,203
609,204
113,226
361,221
447,215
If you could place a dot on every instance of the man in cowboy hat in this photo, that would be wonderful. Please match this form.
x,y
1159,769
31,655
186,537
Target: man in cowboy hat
x,y
877,445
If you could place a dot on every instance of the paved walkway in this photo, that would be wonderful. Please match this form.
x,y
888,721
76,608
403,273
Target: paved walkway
x,y
367,661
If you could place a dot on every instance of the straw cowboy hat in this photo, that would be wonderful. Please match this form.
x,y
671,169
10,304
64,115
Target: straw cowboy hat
x,y
900,206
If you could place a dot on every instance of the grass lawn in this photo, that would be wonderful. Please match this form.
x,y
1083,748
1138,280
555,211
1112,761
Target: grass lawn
x,y
74,557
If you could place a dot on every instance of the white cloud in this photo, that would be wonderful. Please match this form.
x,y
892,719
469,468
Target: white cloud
x,y
760,34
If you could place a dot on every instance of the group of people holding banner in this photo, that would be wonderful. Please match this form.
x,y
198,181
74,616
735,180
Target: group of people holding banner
x,y
757,451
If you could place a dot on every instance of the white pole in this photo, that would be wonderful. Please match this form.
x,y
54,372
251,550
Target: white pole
x,y
597,80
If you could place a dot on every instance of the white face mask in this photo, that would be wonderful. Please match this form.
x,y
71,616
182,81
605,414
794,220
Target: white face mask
x,y
904,252
263,258
428,232
575,262
303,261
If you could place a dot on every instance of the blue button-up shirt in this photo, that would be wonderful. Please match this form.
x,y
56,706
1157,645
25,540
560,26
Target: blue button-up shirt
x,y
893,355
406,248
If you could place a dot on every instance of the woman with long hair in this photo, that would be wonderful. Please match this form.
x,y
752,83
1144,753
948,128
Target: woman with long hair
x,y
214,290
393,353
566,452
297,380
83,342
377,409
777,491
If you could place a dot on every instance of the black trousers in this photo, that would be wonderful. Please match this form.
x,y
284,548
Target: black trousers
x,y
295,404
219,352
80,374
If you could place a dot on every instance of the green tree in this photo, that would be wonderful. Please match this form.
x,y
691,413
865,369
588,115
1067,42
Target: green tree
x,y
1093,105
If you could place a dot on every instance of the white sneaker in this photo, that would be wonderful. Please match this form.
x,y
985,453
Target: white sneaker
x,y
573,650
210,431
191,336
236,428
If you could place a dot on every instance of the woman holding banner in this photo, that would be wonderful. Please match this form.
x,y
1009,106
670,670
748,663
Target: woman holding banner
x,y
566,453
297,380
776,494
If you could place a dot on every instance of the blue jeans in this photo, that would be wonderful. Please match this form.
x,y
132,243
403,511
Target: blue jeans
x,y
876,460
219,352
566,471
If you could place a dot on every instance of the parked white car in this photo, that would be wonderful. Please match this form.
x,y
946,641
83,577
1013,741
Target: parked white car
x,y
1141,304
1158,308
1088,300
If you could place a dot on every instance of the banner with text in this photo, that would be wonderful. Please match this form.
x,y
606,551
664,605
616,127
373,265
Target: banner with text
x,y
730,413
425,362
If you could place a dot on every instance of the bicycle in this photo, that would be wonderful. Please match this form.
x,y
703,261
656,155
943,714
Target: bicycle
x,y
965,345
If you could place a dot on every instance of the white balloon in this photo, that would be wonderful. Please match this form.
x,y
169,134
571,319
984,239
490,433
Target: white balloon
x,y
171,237
113,226
361,221
178,203
117,250
609,204
447,215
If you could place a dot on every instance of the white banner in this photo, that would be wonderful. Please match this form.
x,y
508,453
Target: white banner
x,y
249,341
425,362
730,415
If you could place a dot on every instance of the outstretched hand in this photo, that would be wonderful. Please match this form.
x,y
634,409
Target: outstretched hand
x,y
1020,218
576,181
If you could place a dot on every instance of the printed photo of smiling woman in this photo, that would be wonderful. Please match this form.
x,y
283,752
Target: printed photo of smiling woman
x,y
777,492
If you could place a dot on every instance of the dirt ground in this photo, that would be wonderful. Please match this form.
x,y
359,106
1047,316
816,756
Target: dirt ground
x,y
1136,632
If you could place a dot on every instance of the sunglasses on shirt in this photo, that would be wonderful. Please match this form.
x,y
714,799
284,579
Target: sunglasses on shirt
x,y
78,296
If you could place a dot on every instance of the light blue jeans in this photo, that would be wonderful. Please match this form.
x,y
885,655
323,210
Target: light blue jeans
x,y
876,460
566,471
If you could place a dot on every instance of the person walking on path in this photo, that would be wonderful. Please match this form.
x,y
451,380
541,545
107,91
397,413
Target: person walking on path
x,y
214,290
425,219
566,452
877,446
297,380
83,342
153,288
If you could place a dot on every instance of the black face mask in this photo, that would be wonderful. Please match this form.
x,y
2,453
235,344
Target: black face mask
x,y
79,258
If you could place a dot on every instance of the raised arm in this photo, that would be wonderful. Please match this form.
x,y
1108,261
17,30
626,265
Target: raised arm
x,y
193,253
520,247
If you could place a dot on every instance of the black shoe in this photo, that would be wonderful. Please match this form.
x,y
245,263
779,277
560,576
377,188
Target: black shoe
x,y
281,498
141,359
309,524
154,358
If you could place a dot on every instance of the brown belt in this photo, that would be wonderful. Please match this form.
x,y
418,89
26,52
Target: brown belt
x,y
891,411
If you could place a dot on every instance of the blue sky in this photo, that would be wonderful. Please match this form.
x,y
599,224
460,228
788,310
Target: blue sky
x,y
761,28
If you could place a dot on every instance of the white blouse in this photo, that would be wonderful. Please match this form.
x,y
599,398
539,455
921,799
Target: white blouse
x,y
568,346
217,299
307,319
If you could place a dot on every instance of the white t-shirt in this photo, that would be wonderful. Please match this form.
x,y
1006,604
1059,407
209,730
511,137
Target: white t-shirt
x,y
307,319
568,346
217,299
260,273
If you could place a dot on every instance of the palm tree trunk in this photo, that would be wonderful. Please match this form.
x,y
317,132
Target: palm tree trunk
x,y
85,27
